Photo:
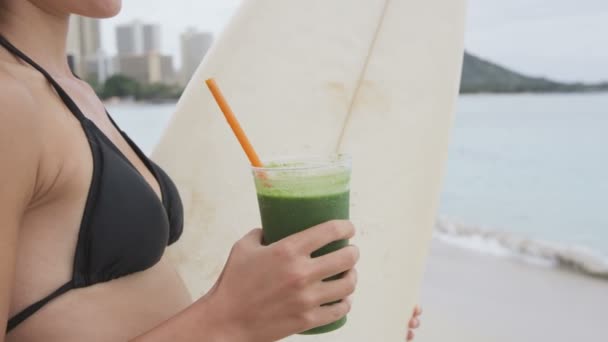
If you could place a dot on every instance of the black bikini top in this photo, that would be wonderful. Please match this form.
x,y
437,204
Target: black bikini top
x,y
125,226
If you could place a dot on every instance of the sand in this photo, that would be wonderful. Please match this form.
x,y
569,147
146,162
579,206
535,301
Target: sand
x,y
474,297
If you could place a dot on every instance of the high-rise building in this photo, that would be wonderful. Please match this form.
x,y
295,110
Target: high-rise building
x,y
151,38
126,42
85,55
139,55
90,36
138,38
194,46
148,68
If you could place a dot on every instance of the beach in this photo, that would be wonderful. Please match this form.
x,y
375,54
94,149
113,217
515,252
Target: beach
x,y
473,297
522,210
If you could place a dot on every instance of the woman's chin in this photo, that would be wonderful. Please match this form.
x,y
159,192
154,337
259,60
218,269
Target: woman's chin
x,y
98,8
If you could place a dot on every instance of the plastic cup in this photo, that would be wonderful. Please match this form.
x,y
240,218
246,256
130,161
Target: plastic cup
x,y
295,194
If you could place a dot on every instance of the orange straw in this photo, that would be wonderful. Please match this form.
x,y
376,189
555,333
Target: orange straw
x,y
234,123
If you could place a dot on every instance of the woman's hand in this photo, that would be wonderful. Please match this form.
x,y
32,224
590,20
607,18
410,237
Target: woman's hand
x,y
414,322
266,293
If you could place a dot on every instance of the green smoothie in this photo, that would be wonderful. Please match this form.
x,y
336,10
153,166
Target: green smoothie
x,y
294,196
283,215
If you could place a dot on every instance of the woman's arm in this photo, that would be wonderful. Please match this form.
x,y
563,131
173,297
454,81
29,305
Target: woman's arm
x,y
266,293
202,321
19,156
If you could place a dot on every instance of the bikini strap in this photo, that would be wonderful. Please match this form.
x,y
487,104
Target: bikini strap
x,y
30,310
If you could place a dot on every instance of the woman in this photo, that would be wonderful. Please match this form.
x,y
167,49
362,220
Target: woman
x,y
85,218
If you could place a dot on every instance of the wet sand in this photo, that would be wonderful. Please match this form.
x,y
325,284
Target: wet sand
x,y
472,297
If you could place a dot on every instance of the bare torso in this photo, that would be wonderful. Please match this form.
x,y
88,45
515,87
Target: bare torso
x,y
113,311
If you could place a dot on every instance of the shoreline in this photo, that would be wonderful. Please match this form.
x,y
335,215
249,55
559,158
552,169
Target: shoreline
x,y
472,297
580,260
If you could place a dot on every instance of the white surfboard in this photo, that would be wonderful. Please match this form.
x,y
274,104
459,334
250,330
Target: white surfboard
x,y
377,79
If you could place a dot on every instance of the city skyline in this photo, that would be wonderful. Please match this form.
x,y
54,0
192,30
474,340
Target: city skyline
x,y
139,55
137,52
559,39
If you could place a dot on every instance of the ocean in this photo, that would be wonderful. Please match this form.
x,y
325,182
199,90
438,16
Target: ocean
x,y
527,175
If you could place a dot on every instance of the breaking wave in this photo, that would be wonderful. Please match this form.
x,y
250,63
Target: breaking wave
x,y
579,259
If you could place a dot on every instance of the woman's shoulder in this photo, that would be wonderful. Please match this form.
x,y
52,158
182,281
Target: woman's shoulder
x,y
20,138
17,104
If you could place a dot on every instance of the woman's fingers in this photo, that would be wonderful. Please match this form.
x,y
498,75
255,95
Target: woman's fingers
x,y
414,322
336,262
311,239
334,290
330,313
417,311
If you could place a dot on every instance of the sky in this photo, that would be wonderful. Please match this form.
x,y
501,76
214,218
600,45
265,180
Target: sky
x,y
566,40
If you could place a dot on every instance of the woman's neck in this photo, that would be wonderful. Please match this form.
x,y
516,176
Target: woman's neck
x,y
38,32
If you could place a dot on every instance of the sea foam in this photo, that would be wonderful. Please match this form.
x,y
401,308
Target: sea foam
x,y
575,258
